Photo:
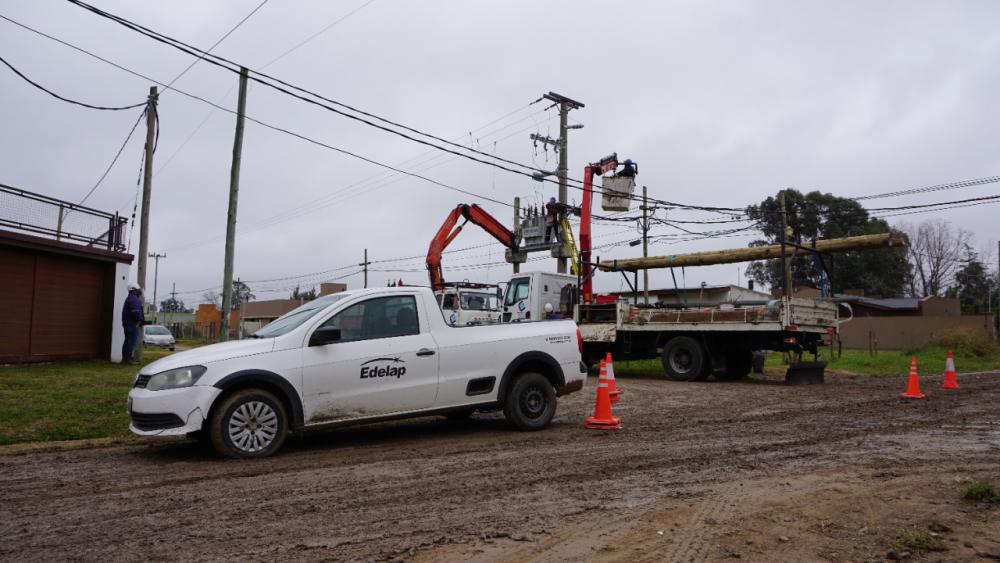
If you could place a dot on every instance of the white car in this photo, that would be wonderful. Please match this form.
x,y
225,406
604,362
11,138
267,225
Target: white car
x,y
351,357
158,335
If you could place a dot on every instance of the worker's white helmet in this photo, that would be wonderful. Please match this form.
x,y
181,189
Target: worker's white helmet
x,y
134,287
548,307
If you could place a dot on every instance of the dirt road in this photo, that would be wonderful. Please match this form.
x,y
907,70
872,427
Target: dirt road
x,y
702,471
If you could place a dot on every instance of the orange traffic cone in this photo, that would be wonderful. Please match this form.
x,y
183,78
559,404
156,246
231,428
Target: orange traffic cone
x,y
613,391
950,378
913,385
602,419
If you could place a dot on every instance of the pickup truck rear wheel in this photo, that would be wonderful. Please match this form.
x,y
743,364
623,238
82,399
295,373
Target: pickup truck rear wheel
x,y
684,359
531,402
251,423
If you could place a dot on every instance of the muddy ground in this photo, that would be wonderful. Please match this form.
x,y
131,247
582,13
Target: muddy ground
x,y
701,471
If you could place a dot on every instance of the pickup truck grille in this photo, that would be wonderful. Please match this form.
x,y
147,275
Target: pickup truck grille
x,y
141,380
155,421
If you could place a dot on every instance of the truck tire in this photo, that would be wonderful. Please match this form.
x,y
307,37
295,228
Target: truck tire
x,y
251,423
531,402
684,359
738,365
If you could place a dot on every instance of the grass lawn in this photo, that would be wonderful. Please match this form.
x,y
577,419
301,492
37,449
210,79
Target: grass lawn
x,y
930,360
66,400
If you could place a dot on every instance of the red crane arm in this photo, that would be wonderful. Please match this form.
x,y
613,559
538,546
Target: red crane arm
x,y
607,164
449,231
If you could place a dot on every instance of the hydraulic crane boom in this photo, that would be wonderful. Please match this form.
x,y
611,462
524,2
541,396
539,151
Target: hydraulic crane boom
x,y
606,164
449,231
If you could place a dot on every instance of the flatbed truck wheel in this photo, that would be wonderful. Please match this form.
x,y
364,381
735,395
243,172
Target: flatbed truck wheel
x,y
738,365
684,359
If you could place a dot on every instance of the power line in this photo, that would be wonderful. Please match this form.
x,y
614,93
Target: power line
x,y
938,204
939,187
231,88
262,123
65,99
115,159
214,45
318,33
938,209
264,78
287,88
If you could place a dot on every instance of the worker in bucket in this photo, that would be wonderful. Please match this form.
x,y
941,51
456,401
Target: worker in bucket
x,y
629,169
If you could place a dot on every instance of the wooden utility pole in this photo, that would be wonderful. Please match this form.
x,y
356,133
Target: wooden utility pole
x,y
786,270
565,105
645,245
365,266
156,278
234,189
147,187
733,255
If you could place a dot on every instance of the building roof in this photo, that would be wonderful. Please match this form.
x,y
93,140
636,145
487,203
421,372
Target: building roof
x,y
889,304
269,309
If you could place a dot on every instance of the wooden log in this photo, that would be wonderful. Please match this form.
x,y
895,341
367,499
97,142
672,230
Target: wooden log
x,y
729,256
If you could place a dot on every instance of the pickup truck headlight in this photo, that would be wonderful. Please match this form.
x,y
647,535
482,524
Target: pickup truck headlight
x,y
175,378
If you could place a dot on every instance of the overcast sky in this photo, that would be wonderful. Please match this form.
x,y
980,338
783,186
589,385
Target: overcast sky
x,y
721,103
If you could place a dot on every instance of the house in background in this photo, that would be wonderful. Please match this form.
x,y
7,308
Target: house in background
x,y
874,322
63,279
208,322
257,314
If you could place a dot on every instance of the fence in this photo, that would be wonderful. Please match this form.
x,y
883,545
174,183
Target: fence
x,y
38,214
904,333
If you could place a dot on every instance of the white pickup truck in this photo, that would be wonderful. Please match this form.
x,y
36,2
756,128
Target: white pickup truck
x,y
352,357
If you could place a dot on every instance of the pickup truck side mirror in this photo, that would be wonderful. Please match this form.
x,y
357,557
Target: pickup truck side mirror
x,y
324,335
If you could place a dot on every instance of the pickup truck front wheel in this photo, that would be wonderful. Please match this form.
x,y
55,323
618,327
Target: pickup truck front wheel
x,y
531,402
249,424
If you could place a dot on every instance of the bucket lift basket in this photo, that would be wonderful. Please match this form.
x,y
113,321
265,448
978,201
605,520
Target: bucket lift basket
x,y
617,192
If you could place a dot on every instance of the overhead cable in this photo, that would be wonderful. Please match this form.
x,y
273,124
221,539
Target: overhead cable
x,y
63,98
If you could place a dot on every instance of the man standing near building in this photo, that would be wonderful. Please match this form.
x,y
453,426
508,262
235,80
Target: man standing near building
x,y
132,320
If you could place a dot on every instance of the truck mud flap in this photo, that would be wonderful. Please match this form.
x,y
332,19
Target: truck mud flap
x,y
805,373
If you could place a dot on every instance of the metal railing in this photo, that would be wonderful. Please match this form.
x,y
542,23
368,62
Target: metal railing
x,y
38,214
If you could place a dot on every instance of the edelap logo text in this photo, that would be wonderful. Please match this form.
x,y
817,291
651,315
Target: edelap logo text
x,y
383,367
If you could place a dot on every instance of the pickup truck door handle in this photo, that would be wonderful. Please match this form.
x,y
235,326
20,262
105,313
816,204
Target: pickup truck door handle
x,y
425,352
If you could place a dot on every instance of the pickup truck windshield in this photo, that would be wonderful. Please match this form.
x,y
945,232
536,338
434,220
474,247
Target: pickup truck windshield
x,y
292,319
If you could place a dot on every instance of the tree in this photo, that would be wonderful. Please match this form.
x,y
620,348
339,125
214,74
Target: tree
x,y
212,297
241,294
973,287
173,305
299,295
935,251
816,215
